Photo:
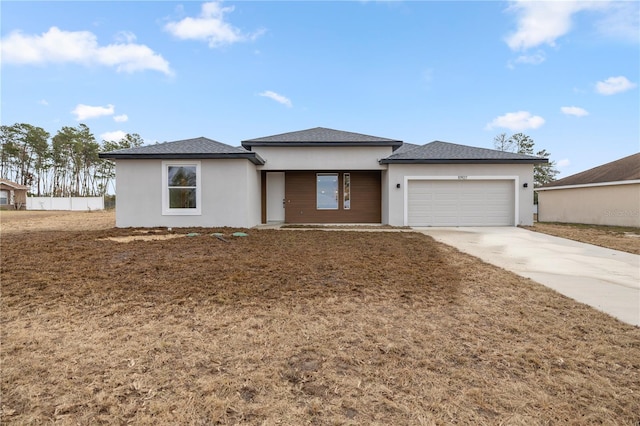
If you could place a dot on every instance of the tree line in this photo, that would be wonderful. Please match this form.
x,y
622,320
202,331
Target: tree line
x,y
64,165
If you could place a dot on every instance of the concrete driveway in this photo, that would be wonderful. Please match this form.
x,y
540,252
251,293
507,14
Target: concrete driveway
x,y
608,280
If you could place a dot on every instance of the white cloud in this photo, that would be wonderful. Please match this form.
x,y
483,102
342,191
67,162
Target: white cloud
x,y
210,26
120,118
563,163
276,97
131,58
83,112
113,136
516,121
614,85
575,111
541,22
621,22
80,47
125,37
43,102
535,59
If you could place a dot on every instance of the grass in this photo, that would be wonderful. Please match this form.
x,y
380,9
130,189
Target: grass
x,y
290,327
603,228
622,238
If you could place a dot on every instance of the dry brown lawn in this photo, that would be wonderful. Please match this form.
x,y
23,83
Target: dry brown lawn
x,y
613,237
55,220
291,327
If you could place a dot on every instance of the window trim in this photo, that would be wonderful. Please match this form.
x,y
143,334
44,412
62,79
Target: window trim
x,y
166,210
337,176
346,191
4,191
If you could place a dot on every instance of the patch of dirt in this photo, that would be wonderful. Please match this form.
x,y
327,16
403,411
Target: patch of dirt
x,y
21,221
290,327
614,237
152,237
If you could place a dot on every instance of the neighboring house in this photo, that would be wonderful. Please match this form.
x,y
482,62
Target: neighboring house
x,y
605,195
12,195
321,176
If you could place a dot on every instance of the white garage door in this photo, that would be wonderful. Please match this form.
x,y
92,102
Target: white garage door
x,y
461,203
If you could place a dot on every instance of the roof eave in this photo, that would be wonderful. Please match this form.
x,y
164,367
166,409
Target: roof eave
x,y
16,186
461,161
550,186
251,156
250,144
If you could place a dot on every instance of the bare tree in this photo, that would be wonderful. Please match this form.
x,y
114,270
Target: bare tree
x,y
522,144
503,143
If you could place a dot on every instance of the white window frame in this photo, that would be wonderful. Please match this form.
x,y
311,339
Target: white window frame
x,y
346,191
4,191
337,195
166,210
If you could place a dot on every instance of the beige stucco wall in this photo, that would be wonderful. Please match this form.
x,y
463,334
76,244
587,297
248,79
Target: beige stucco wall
x,y
230,195
323,157
16,198
231,190
396,174
384,217
613,205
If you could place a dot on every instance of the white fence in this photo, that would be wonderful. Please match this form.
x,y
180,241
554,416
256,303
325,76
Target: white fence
x,y
65,203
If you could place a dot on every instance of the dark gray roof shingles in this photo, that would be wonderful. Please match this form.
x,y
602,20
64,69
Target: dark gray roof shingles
x,y
627,168
434,152
320,136
406,147
188,148
445,152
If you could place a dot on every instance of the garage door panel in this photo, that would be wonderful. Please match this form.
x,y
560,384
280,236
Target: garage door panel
x,y
477,202
461,203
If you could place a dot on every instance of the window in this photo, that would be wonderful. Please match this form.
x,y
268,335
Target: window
x,y
181,188
4,198
327,191
346,191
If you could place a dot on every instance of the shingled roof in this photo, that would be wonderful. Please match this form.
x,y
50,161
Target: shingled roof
x,y
195,148
627,168
13,184
451,153
321,136
406,147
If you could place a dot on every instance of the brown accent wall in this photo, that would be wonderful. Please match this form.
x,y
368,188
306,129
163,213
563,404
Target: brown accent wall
x,y
366,198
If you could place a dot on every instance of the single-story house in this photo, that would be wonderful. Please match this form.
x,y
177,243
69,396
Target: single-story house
x,y
605,195
13,196
321,175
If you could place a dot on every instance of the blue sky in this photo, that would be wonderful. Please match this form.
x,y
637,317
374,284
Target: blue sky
x,y
564,73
